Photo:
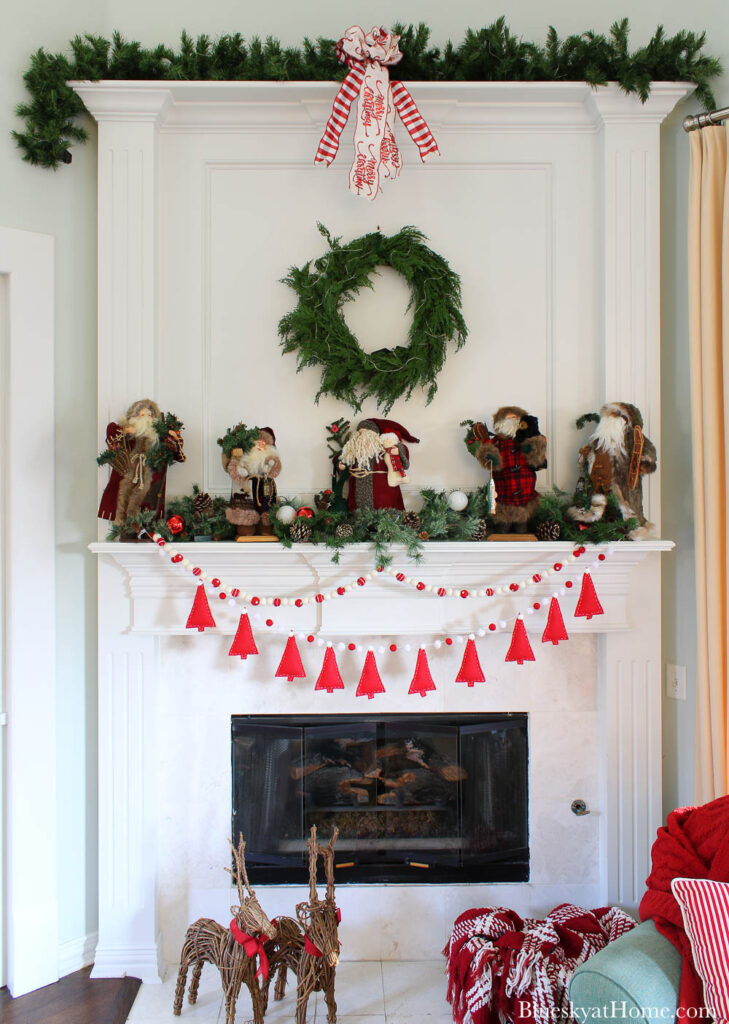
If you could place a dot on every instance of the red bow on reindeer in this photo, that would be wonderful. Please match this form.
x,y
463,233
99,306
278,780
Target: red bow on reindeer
x,y
251,945
376,156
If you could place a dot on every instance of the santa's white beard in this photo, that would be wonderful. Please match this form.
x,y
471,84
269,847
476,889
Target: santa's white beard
x,y
258,461
609,435
507,427
362,449
143,428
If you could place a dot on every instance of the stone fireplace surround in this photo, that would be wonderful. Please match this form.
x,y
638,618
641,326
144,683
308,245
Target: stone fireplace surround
x,y
187,170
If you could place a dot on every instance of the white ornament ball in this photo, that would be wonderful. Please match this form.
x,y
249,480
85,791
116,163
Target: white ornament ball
x,y
286,514
457,500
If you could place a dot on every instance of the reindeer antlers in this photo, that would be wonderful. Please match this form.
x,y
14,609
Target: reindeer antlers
x,y
327,855
240,874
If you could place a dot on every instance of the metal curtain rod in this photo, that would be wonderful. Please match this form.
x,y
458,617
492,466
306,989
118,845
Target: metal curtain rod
x,y
694,121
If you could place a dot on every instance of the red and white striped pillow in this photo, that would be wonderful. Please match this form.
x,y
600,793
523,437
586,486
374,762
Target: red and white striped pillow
x,y
705,909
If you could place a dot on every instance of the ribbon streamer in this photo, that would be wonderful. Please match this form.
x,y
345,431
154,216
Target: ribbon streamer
x,y
252,946
376,154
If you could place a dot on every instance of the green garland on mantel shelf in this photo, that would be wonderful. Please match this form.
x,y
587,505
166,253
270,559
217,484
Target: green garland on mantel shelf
x,y
490,54
318,333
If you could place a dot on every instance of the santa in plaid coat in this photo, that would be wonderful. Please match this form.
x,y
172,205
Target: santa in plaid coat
x,y
513,453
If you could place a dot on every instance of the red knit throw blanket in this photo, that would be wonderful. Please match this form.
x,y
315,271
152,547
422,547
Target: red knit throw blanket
x,y
693,844
503,969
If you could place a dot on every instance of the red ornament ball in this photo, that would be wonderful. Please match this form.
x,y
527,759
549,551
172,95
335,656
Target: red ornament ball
x,y
380,568
577,552
441,591
449,641
537,578
568,584
393,647
513,587
400,577
420,586
310,639
601,557
222,595
269,622
536,606
175,524
557,566
255,601
277,602
361,581
196,571
235,592
305,512
327,492
177,559
161,541
352,647
464,593
319,598
215,581
341,591
583,549
489,592
298,602
334,428
492,626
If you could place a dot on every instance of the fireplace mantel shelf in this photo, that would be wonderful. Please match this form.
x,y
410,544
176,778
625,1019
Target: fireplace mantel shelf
x,y
160,593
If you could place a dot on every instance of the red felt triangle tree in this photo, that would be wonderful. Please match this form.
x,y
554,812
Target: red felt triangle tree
x,y
588,603
329,677
422,679
555,630
369,682
470,671
520,650
243,642
200,615
290,666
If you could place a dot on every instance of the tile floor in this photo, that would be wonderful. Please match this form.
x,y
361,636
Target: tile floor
x,y
367,992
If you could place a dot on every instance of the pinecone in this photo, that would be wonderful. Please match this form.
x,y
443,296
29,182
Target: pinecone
x,y
344,531
482,530
548,530
202,503
411,519
300,531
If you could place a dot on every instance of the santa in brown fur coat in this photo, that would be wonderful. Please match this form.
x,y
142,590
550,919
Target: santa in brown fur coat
x,y
513,452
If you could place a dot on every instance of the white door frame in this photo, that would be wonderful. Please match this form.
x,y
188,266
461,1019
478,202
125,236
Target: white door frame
x,y
27,607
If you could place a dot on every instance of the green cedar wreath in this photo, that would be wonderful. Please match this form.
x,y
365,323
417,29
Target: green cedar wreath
x,y
318,333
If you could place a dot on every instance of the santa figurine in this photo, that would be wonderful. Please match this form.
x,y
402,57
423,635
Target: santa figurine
x,y
253,473
377,459
513,453
614,461
139,454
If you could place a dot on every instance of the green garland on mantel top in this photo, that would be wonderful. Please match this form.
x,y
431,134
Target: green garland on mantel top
x,y
490,54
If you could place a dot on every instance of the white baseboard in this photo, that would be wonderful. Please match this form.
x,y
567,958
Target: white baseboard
x,y
76,953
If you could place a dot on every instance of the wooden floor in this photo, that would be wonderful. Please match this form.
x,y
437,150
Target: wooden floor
x,y
75,999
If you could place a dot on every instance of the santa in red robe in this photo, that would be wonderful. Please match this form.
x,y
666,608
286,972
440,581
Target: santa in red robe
x,y
376,456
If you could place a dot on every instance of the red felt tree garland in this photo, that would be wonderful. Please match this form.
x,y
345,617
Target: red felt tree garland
x,y
588,603
470,671
290,666
555,630
422,681
369,682
200,616
243,642
520,650
329,677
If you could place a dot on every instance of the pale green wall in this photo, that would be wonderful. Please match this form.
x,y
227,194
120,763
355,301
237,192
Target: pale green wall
x,y
63,204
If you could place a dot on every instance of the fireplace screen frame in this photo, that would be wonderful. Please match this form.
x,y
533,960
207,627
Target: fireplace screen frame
x,y
265,867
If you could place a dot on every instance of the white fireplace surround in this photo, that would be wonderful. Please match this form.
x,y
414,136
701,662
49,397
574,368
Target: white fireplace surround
x,y
186,169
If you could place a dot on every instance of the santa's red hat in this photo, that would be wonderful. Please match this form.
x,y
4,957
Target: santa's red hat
x,y
389,427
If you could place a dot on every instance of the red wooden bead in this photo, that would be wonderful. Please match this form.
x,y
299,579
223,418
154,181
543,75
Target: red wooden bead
x,y
380,568
361,581
222,595
537,578
277,602
352,647
420,586
536,606
269,622
400,576
601,557
492,626
557,566
161,542
577,552
568,584
441,591
215,581
196,571
393,647
341,590
583,549
310,638
235,592
319,598
176,559
255,601
464,593
489,592
449,641
298,602
513,587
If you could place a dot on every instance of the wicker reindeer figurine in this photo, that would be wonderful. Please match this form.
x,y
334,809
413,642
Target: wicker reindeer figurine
x,y
232,950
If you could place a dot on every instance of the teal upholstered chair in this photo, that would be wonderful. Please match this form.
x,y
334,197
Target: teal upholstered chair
x,y
637,975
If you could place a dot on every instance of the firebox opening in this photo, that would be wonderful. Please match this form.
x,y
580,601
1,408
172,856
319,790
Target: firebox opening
x,y
437,798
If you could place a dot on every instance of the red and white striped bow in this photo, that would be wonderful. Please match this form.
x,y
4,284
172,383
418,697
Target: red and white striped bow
x,y
376,156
